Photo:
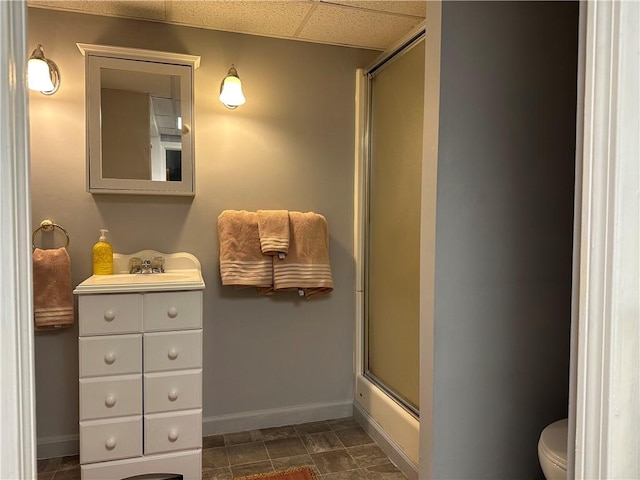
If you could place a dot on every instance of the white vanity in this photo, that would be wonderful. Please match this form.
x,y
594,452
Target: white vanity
x,y
140,351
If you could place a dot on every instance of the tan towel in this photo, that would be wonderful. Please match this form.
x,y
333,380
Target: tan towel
x,y
273,228
52,292
306,267
242,263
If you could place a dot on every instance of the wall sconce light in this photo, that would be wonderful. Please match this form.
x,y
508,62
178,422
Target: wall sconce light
x,y
42,74
231,90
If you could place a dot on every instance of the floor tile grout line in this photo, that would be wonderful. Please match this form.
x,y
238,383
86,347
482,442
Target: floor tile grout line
x,y
273,467
317,468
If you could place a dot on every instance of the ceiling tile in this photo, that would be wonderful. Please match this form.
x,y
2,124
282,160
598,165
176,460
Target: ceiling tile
x,y
357,23
162,106
166,122
414,8
356,27
273,18
145,9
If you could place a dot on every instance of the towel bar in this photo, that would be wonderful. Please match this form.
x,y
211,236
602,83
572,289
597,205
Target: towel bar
x,y
47,225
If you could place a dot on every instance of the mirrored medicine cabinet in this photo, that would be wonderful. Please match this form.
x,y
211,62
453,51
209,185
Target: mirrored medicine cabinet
x,y
139,110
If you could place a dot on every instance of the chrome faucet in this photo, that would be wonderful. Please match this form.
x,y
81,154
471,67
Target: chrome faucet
x,y
135,265
146,267
155,265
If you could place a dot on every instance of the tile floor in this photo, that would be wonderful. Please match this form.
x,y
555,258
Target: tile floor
x,y
336,449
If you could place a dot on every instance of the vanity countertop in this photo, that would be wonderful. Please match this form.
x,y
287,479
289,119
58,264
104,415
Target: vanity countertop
x,y
182,272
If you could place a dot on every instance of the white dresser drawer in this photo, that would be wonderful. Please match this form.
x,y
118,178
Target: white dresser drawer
x,y
110,355
187,464
111,397
164,392
172,350
102,440
166,432
109,313
172,311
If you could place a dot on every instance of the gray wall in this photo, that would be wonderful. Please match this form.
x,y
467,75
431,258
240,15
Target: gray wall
x,y
290,147
503,234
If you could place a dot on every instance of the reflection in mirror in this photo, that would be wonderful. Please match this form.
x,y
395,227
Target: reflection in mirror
x,y
139,120
141,125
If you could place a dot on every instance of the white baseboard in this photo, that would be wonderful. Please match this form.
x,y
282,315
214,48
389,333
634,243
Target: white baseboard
x,y
275,417
58,446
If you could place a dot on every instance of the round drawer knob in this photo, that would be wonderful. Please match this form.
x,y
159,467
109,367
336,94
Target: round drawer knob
x,y
110,401
109,315
172,312
173,435
173,394
109,358
172,354
110,443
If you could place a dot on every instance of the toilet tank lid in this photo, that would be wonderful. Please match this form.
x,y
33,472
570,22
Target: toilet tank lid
x,y
553,441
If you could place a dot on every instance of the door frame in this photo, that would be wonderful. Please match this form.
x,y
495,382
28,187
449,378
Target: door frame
x,y
17,394
606,336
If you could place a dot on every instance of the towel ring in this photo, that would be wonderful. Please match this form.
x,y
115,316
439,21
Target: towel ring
x,y
47,225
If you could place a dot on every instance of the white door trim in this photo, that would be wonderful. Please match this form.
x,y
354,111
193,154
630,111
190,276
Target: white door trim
x,y
428,213
577,215
17,396
607,407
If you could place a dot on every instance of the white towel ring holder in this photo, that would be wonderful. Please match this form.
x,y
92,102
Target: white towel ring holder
x,y
47,226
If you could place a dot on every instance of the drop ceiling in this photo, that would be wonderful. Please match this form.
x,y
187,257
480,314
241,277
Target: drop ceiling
x,y
369,24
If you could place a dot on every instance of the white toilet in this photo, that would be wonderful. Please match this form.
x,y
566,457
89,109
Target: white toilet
x,y
552,450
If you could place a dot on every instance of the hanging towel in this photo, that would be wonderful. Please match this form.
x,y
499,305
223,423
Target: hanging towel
x,y
52,292
242,263
306,267
273,228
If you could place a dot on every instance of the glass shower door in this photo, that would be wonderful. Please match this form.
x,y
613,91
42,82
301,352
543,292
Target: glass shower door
x,y
392,288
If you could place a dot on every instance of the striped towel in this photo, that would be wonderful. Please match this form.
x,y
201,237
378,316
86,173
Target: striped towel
x,y
242,263
306,267
273,228
52,292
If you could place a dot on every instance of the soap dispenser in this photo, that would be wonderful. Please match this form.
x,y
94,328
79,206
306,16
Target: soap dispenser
x,y
102,255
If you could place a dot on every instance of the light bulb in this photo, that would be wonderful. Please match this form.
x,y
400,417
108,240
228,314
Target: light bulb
x,y
39,76
231,90
42,74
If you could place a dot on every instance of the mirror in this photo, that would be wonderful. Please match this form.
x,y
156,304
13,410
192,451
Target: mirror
x,y
139,121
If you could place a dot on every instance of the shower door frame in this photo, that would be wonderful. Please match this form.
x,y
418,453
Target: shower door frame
x,y
408,43
388,415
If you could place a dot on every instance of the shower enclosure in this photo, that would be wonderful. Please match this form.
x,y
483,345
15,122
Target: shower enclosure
x,y
388,192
